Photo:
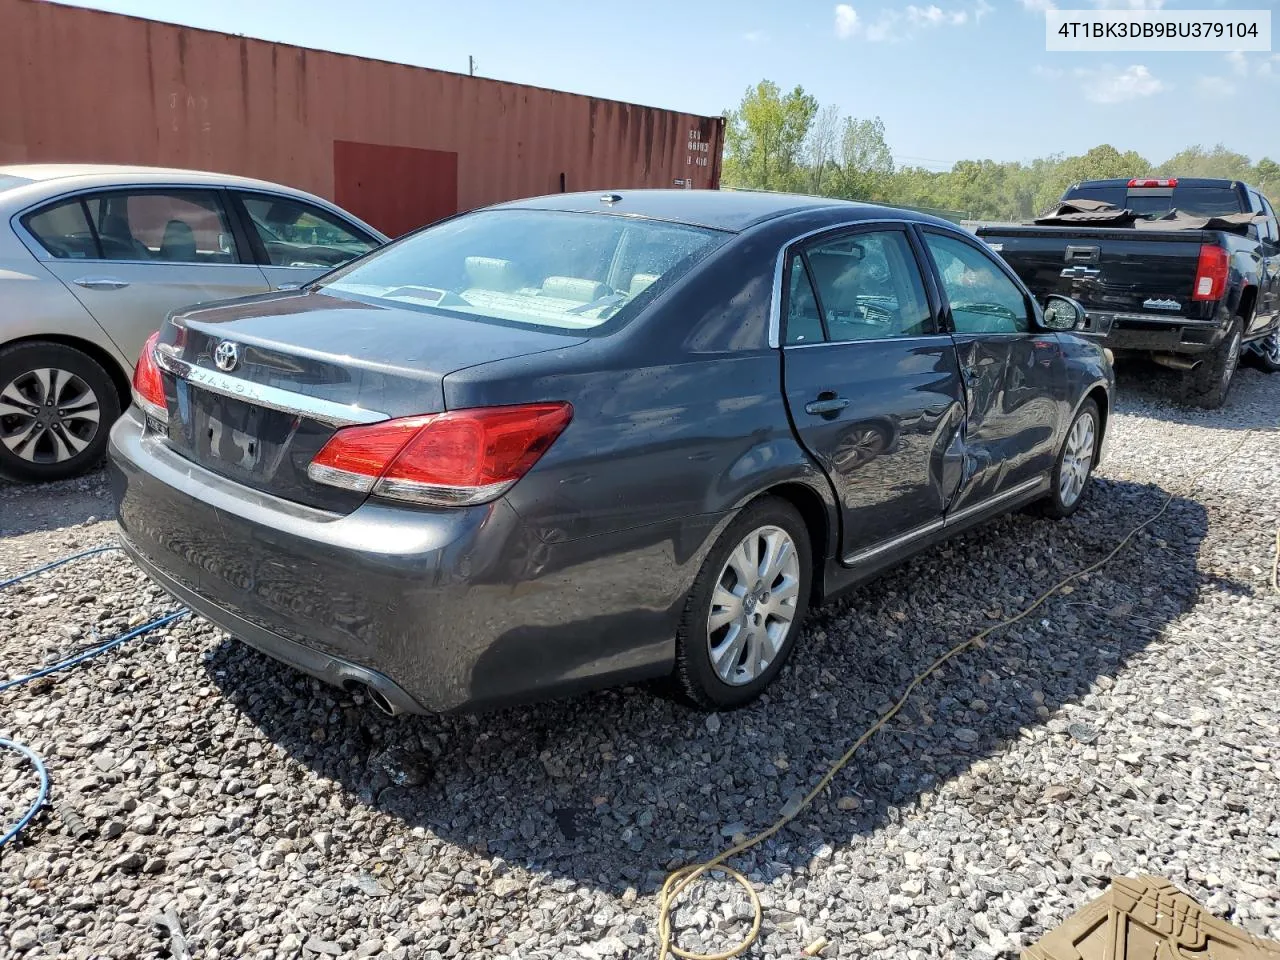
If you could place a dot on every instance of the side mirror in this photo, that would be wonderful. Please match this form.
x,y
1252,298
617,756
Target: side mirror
x,y
1062,313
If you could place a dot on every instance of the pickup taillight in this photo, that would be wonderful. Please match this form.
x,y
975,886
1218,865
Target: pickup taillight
x,y
1211,273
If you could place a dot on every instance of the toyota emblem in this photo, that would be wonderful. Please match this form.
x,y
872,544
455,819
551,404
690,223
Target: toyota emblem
x,y
226,356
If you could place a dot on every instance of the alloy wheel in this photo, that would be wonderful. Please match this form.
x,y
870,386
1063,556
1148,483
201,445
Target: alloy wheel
x,y
1270,348
1233,360
753,605
48,415
1077,459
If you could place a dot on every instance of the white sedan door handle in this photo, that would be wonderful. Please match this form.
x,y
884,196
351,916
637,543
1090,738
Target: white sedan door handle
x,y
101,283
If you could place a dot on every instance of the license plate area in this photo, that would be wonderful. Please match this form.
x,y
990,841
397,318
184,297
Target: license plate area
x,y
232,437
260,447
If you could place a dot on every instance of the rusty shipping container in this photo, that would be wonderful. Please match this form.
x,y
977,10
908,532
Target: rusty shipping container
x,y
395,144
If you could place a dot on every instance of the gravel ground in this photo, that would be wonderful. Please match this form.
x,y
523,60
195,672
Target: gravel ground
x,y
210,803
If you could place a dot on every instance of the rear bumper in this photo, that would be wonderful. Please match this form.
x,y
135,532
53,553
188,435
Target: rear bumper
x,y
439,610
1163,335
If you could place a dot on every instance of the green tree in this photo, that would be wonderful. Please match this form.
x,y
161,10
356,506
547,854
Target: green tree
x,y
866,163
1217,162
764,138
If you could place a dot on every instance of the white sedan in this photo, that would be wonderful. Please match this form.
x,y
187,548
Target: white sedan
x,y
92,259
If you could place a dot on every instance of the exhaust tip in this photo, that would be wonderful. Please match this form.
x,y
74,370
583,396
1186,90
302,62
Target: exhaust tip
x,y
380,701
378,698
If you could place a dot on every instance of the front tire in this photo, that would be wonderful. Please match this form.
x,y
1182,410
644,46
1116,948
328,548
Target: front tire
x,y
57,405
1074,467
1210,382
1266,353
746,607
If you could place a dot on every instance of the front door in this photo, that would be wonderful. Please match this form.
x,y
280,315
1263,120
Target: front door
x,y
1015,381
872,383
132,256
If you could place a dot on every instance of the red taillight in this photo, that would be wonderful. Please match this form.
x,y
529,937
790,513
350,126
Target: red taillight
x,y
1143,182
1211,273
148,387
446,459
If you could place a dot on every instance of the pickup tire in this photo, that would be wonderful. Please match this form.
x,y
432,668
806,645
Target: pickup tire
x,y
1209,383
1266,353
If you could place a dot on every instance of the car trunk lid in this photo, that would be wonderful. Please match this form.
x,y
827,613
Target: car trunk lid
x,y
255,387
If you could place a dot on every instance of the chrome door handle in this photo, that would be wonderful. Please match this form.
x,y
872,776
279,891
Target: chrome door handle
x,y
826,405
101,283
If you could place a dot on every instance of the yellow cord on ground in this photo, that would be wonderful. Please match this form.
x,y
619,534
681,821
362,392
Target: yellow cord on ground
x,y
681,880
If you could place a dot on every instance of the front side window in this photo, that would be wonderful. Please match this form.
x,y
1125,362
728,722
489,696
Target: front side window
x,y
567,271
298,234
869,286
983,299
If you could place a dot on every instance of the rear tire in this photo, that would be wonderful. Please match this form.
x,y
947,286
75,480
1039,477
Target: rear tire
x,y
1209,383
746,607
1074,467
57,405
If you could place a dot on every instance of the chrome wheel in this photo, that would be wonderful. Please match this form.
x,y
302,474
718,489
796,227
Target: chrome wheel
x,y
1270,349
48,415
1077,459
753,604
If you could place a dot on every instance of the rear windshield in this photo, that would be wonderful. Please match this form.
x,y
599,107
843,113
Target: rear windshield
x,y
566,271
1157,201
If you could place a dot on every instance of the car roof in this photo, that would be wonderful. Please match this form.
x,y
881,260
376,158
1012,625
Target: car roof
x,y
33,183
43,172
729,210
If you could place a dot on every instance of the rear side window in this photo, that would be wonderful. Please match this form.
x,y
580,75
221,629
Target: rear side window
x,y
565,271
867,286
63,229
172,226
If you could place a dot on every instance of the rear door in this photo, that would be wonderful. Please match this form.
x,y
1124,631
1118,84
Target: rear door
x,y
872,382
295,241
1015,382
133,255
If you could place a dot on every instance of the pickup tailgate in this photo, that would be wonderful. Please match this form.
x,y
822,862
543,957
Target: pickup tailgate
x,y
1110,271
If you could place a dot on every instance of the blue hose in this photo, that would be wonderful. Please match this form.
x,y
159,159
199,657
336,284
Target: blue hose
x,y
43,795
71,661
57,563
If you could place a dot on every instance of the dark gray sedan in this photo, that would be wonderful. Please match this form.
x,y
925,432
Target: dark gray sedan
x,y
584,439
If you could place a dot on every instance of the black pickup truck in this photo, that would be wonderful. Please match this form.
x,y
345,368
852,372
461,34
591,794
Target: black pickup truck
x,y
1184,271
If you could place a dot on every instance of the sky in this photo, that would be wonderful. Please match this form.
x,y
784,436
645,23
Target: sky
x,y
951,79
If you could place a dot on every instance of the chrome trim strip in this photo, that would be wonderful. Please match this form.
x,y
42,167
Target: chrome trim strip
x,y
935,525
1162,319
944,338
999,498
274,398
866,554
